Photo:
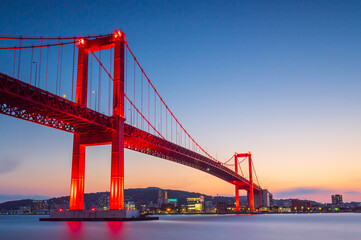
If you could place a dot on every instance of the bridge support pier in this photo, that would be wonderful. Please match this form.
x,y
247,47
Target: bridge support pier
x,y
77,175
78,165
251,195
236,186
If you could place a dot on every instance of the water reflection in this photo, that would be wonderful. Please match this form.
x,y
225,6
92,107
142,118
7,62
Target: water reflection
x,y
74,230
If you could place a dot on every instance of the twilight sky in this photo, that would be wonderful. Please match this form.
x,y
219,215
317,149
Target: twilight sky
x,y
278,78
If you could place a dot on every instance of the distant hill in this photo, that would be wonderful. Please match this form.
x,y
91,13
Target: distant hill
x,y
138,195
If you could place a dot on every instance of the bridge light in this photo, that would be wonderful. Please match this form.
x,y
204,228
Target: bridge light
x,y
64,96
81,41
93,209
60,210
117,34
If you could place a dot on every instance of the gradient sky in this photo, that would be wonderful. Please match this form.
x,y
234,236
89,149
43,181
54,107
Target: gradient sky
x,y
278,78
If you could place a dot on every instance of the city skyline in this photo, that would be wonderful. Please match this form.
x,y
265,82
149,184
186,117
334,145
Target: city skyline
x,y
279,80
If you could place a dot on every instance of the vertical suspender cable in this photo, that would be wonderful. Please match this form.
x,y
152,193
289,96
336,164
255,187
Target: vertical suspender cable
x,y
126,78
19,60
141,98
61,67
155,110
41,44
110,64
14,62
72,75
46,72
160,116
31,64
166,124
134,94
91,80
100,80
57,70
148,105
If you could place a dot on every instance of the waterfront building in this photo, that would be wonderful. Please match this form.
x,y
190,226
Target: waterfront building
x,y
173,201
336,199
267,198
162,198
195,204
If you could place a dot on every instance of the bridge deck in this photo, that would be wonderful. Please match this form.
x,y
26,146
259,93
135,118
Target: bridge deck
x,y
21,100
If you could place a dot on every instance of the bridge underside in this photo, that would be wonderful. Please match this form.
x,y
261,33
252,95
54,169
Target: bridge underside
x,y
24,101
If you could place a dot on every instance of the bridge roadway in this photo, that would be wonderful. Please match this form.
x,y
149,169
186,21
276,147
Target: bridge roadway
x,y
24,101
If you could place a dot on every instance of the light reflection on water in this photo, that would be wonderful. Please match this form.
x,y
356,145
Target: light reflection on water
x,y
250,227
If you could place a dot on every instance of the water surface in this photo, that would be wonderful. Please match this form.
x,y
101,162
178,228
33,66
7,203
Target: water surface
x,y
249,227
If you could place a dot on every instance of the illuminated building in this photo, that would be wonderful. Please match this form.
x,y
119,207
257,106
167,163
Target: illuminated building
x,y
336,199
130,206
162,198
173,201
195,204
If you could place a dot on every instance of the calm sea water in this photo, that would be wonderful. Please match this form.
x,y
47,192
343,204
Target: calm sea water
x,y
248,227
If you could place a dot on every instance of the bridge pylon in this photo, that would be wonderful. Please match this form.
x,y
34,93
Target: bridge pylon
x,y
250,188
92,138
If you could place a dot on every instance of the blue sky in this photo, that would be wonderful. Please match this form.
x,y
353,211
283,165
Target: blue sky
x,y
278,78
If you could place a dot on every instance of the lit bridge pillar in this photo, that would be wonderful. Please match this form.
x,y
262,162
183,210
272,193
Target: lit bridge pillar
x,y
251,196
117,165
250,188
78,164
236,185
115,137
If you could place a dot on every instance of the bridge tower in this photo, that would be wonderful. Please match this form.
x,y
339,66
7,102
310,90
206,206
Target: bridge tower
x,y
92,138
250,188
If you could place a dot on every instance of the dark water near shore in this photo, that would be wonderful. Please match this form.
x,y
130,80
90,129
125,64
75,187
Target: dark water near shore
x,y
248,227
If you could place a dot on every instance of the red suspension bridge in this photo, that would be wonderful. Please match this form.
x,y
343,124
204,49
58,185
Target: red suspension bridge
x,y
61,91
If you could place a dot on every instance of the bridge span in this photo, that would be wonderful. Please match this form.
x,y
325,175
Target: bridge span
x,y
90,127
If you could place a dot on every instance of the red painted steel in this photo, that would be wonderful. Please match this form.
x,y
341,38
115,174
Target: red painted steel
x,y
24,101
251,186
236,186
78,165
117,164
251,196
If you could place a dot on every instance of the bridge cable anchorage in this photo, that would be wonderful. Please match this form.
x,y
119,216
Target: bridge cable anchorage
x,y
255,173
126,44
128,98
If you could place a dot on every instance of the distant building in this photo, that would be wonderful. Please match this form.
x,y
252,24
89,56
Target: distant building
x,y
173,201
300,206
195,204
267,198
336,199
162,198
221,207
130,205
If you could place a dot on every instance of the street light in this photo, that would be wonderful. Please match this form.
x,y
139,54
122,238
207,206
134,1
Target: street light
x,y
95,100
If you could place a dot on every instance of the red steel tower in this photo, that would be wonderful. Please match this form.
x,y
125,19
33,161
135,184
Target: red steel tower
x,y
114,137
